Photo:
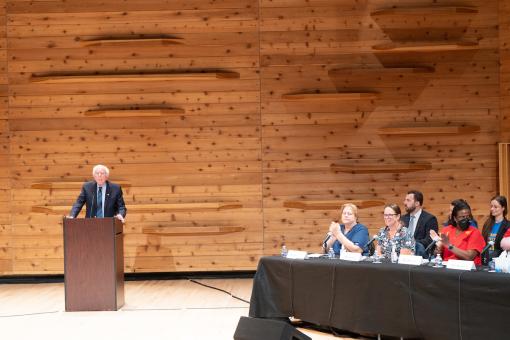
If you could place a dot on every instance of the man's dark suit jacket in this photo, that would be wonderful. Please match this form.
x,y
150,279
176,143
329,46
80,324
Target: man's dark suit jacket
x,y
425,223
113,202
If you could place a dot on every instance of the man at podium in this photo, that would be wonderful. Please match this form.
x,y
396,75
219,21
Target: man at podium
x,y
101,197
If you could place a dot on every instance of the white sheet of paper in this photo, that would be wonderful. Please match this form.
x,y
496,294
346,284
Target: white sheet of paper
x,y
460,265
350,256
296,254
413,260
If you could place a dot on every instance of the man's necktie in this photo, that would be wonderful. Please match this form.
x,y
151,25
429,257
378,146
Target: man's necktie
x,y
411,224
100,203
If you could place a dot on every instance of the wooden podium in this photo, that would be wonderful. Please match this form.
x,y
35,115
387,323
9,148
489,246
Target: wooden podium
x,y
93,264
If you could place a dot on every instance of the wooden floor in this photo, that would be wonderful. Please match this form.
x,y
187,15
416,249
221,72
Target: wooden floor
x,y
170,310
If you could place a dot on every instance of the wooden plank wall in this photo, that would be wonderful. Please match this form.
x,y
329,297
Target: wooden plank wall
x,y
210,154
302,41
212,187
5,215
504,50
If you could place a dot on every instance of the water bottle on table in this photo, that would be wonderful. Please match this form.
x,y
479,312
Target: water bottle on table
x,y
394,255
331,253
492,266
284,251
437,261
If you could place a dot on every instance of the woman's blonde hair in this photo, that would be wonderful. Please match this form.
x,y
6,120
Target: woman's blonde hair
x,y
353,207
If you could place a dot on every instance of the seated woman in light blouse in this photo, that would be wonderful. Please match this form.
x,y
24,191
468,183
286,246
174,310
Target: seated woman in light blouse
x,y
394,234
350,235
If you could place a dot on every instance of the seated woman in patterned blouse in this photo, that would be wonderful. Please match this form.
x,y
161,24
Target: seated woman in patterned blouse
x,y
394,234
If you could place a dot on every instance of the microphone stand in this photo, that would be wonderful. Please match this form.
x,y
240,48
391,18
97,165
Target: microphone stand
x,y
430,249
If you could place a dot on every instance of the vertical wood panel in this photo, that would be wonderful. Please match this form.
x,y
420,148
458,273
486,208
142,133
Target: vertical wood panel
x,y
5,193
241,141
504,52
503,169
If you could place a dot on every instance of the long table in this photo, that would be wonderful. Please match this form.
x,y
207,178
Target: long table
x,y
390,299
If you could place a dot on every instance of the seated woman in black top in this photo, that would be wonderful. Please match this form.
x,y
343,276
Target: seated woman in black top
x,y
495,227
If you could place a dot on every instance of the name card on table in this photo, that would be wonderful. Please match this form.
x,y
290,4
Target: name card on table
x,y
296,254
350,256
460,264
413,260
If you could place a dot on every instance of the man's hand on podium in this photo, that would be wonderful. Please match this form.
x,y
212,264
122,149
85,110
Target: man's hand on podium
x,y
120,217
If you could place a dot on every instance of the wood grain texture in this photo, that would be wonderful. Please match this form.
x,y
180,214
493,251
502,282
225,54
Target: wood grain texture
x,y
137,41
6,229
87,52
426,46
330,96
330,205
428,130
151,208
95,78
504,50
363,168
429,10
181,149
133,112
302,139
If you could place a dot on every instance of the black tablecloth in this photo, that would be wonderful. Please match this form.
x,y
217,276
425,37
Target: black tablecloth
x,y
390,299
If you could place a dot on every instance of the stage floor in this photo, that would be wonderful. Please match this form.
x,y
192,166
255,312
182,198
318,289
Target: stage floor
x,y
158,309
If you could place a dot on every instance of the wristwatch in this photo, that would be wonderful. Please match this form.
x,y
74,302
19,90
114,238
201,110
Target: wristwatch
x,y
450,246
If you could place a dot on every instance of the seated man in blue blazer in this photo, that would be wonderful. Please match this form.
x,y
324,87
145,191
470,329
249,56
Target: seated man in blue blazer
x,y
101,197
418,221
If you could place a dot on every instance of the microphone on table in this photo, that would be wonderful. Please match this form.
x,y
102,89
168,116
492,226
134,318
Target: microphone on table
x,y
326,239
489,244
375,238
367,246
434,241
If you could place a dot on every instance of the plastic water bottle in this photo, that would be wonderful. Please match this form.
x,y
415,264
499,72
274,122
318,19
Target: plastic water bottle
x,y
438,261
284,251
394,255
492,266
331,253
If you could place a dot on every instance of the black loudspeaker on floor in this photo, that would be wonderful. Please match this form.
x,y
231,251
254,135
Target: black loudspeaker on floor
x,y
266,329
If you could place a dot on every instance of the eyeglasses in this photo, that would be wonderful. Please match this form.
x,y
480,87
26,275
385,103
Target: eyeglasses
x,y
100,173
389,215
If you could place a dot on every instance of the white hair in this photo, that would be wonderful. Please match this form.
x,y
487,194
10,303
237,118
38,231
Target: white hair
x,y
99,167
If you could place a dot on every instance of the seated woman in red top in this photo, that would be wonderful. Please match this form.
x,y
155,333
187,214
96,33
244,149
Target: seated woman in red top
x,y
459,240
